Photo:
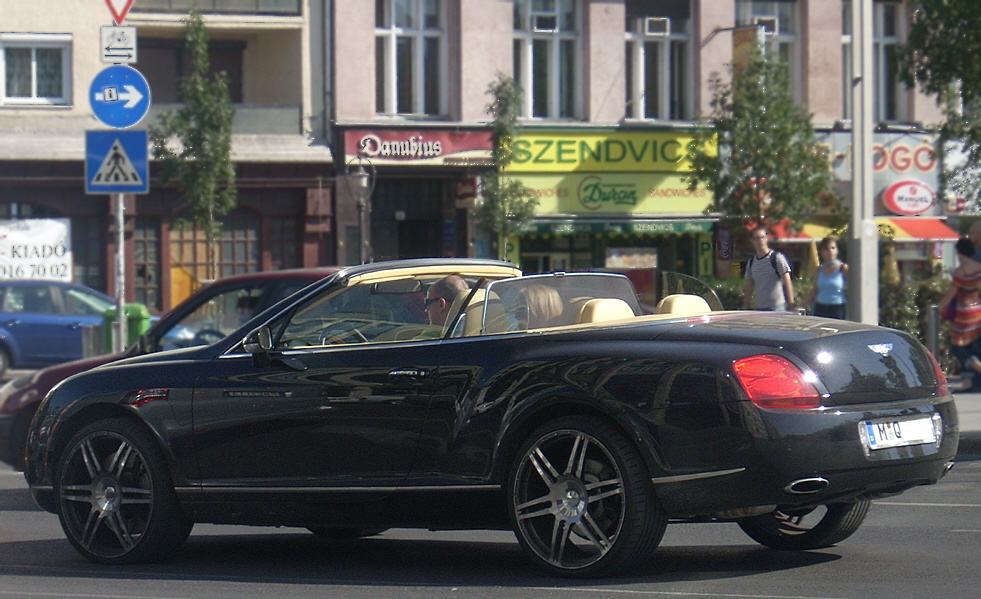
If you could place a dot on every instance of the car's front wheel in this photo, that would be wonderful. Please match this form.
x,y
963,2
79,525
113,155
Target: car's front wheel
x,y
581,501
116,501
807,528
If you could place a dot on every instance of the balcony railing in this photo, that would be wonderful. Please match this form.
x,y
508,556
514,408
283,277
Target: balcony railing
x,y
240,7
250,119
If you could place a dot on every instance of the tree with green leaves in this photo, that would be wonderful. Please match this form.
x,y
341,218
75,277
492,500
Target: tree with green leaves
x,y
757,152
506,204
943,37
194,142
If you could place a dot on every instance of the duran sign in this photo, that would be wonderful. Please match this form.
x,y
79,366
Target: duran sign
x,y
908,198
432,147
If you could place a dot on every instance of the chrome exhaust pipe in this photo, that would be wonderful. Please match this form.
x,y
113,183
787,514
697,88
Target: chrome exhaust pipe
x,y
806,486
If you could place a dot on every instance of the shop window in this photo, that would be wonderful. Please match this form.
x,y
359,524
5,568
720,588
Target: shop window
x,y
88,251
658,70
410,57
780,23
284,243
146,262
88,241
237,246
36,69
546,55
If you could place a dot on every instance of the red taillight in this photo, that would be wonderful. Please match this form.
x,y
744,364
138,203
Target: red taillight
x,y
772,381
942,387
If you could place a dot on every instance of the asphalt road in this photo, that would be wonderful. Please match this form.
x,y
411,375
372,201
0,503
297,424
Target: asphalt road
x,y
922,544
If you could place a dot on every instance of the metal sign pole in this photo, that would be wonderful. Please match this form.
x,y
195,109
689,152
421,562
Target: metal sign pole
x,y
863,242
119,338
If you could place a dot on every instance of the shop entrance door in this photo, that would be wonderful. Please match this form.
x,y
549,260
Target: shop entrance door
x,y
533,262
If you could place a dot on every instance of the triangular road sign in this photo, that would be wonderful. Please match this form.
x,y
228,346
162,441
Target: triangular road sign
x,y
116,168
119,9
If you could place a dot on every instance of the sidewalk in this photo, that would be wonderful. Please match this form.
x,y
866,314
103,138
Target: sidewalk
x,y
969,415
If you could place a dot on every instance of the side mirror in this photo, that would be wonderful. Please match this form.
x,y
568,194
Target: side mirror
x,y
144,344
259,341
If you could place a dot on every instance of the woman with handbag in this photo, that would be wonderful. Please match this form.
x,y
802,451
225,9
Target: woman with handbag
x,y
963,302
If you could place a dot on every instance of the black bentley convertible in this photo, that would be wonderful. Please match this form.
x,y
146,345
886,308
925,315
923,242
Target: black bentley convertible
x,y
548,404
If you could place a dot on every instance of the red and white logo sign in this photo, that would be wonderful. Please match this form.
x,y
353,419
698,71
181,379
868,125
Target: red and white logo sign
x,y
119,9
908,198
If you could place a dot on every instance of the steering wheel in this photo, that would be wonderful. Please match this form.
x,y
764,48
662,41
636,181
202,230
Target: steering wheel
x,y
208,336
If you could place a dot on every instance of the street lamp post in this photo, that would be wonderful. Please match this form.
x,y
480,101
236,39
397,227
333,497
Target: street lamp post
x,y
361,184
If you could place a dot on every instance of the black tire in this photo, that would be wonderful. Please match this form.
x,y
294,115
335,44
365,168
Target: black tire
x,y
810,528
115,498
343,533
581,500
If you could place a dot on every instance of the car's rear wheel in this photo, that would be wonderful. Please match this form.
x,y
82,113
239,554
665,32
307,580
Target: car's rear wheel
x,y
581,501
807,528
116,501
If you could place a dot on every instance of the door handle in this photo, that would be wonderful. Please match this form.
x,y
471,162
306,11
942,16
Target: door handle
x,y
415,373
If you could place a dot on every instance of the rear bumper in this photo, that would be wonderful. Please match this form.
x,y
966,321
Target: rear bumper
x,y
801,458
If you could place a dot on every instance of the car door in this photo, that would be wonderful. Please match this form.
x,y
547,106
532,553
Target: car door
x,y
342,405
40,333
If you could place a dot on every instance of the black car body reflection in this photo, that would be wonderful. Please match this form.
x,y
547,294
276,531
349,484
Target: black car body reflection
x,y
343,411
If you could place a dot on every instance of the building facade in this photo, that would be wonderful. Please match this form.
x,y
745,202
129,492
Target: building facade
x,y
272,53
611,91
361,128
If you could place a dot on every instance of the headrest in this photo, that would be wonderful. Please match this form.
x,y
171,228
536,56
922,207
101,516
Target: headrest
x,y
603,309
682,304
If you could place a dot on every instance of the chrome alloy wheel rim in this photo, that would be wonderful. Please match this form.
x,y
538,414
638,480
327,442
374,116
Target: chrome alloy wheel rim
x,y
106,495
568,498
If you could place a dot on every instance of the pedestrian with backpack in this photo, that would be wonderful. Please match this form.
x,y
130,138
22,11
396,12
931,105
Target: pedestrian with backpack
x,y
768,283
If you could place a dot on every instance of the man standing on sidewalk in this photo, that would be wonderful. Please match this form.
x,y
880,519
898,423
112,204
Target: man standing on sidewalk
x,y
768,283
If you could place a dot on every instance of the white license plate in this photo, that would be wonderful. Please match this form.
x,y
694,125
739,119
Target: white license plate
x,y
881,434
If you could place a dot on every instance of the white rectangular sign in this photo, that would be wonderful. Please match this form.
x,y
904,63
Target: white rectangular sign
x,y
118,44
36,249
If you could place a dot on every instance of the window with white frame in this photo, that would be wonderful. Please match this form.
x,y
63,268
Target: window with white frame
x,y
889,94
780,22
410,58
658,68
36,69
546,51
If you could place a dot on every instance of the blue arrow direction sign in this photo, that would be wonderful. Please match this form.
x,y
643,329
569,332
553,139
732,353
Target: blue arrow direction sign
x,y
116,162
120,96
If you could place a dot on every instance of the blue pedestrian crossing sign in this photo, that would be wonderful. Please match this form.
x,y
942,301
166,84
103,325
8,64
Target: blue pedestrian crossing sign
x,y
117,162
119,96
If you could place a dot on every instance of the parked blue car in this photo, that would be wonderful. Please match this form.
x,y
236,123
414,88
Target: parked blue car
x,y
41,321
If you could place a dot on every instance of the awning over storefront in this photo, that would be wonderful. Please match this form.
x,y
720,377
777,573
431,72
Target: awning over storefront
x,y
809,232
898,229
916,229
634,226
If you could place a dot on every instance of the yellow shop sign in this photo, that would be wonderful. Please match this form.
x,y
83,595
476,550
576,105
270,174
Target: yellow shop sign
x,y
610,151
615,193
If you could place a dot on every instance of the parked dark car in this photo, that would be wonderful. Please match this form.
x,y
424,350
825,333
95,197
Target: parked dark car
x,y
546,404
207,315
41,322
